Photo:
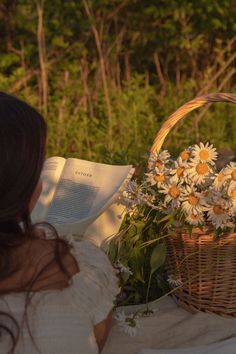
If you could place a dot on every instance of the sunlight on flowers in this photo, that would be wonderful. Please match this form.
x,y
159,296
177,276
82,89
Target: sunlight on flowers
x,y
191,188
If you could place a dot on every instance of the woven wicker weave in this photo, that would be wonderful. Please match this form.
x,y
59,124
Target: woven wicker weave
x,y
206,267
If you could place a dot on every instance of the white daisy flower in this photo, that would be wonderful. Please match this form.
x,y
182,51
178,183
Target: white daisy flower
x,y
122,268
173,192
219,180
204,153
199,172
128,324
156,177
158,160
174,281
186,154
195,219
134,196
230,171
192,201
218,214
179,170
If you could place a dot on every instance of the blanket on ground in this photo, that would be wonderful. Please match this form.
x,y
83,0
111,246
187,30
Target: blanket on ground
x,y
172,327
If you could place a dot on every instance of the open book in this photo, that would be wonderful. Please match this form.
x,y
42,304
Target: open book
x,y
75,192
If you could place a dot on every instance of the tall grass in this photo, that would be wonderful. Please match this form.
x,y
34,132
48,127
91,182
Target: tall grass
x,y
138,112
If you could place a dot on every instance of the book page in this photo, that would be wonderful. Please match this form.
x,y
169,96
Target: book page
x,y
84,191
50,175
107,225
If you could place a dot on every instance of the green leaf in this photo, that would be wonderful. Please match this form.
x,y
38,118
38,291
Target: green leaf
x,y
140,225
112,253
136,264
152,233
125,277
158,257
165,218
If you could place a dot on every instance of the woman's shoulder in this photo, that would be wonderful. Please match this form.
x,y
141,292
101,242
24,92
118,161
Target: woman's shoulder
x,y
91,259
95,269
88,254
94,288
96,285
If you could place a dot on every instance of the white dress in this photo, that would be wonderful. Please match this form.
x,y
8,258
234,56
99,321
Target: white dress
x,y
62,321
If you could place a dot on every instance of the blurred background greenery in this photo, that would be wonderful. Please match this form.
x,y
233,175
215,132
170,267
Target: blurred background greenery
x,y
106,73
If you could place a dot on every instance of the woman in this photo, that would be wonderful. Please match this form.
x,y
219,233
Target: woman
x,y
56,295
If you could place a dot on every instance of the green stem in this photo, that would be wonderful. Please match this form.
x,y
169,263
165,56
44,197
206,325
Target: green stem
x,y
173,290
148,289
147,243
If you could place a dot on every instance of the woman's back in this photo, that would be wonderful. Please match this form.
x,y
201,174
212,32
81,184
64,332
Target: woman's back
x,y
62,318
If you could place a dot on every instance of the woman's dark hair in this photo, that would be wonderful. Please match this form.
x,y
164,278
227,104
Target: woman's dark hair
x,y
22,152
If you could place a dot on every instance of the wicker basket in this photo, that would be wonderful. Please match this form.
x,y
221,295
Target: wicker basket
x,y
205,266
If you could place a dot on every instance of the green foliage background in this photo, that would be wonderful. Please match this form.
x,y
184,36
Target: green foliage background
x,y
111,71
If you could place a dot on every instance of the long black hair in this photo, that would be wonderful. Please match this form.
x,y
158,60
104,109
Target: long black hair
x,y
23,134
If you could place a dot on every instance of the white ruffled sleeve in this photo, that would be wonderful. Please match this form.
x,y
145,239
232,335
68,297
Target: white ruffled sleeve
x,y
95,287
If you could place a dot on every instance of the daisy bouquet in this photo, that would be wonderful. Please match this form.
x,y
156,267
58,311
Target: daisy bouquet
x,y
191,190
177,196
180,226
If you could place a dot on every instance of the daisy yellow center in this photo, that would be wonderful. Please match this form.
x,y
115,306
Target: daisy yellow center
x,y
233,194
193,200
185,155
180,171
159,164
204,154
193,216
202,168
233,175
218,209
159,178
174,192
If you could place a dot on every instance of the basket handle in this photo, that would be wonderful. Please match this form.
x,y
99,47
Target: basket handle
x,y
183,110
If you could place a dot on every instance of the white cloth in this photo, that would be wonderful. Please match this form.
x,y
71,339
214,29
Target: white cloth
x,y
173,330
224,347
62,321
